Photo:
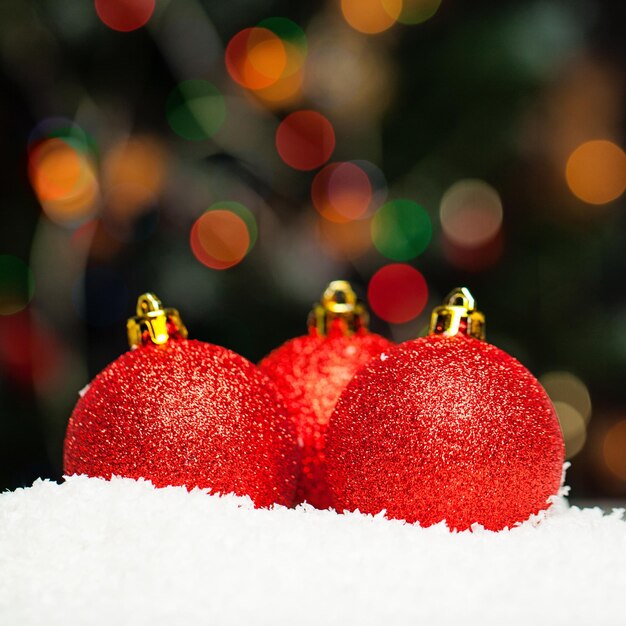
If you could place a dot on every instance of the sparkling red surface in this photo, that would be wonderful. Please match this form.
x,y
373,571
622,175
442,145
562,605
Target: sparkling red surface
x,y
445,428
186,413
310,373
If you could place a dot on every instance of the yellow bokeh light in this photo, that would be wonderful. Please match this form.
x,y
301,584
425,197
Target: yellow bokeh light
x,y
371,16
573,427
567,388
596,172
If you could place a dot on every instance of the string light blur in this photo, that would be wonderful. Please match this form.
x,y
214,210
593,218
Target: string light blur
x,y
223,235
196,110
596,172
341,192
64,179
17,285
397,293
371,16
401,230
125,15
305,140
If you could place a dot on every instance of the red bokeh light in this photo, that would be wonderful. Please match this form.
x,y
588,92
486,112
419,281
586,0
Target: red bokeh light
x,y
397,293
305,140
124,15
256,58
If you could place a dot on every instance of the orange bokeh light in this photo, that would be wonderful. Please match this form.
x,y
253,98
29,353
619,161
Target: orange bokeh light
x,y
305,140
371,16
596,172
256,58
219,239
285,91
341,192
64,180
134,174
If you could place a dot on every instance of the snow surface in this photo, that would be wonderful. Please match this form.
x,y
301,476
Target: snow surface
x,y
90,551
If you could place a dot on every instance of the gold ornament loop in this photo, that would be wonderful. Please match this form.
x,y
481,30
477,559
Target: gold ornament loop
x,y
152,317
338,302
458,315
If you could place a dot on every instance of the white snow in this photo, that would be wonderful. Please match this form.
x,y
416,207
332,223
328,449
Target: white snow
x,y
92,552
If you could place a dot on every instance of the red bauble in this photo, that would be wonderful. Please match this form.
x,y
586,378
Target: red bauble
x,y
445,428
310,372
185,413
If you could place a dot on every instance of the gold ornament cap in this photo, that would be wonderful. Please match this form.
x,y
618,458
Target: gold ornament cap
x,y
152,317
458,315
338,302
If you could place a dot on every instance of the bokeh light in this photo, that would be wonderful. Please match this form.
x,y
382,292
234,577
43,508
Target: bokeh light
x,y
401,230
568,388
244,213
397,293
64,179
345,240
124,15
371,16
16,285
294,42
305,140
341,192
269,60
596,172
614,449
418,11
572,403
223,235
196,110
256,58
133,174
470,213
573,428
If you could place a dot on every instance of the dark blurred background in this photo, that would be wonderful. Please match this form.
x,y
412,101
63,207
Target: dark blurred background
x,y
236,156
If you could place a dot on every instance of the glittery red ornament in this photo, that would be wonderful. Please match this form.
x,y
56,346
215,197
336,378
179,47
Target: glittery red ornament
x,y
446,427
310,372
183,412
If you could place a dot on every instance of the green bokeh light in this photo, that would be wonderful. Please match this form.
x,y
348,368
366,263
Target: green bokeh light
x,y
244,213
196,110
17,285
401,230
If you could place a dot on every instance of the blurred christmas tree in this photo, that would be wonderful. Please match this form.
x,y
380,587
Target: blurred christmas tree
x,y
235,157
